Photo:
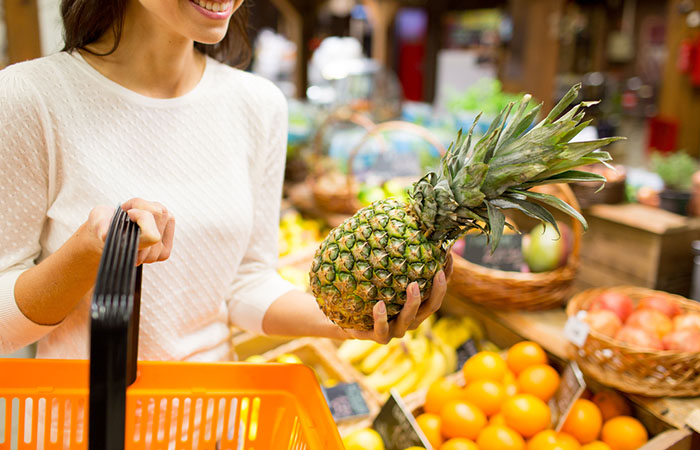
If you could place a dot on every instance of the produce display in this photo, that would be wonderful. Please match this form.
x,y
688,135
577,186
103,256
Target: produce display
x,y
654,323
296,233
504,405
374,255
416,360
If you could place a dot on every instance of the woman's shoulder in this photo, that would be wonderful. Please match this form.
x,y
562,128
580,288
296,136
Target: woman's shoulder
x,y
250,86
21,80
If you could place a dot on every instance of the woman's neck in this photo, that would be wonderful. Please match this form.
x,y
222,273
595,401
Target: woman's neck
x,y
149,60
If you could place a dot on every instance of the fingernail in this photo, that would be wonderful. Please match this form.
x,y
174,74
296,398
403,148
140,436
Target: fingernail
x,y
381,308
441,277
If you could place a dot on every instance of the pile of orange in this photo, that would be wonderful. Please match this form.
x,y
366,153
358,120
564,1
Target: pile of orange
x,y
504,406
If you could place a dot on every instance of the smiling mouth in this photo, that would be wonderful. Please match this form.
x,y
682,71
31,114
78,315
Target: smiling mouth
x,y
214,6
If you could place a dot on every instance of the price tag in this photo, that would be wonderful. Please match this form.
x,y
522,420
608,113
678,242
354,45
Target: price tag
x,y
507,256
397,426
466,351
570,389
576,330
345,401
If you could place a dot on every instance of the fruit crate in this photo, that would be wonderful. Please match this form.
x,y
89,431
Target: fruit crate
x,y
320,355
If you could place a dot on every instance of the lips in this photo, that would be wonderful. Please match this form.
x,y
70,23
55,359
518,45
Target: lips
x,y
215,10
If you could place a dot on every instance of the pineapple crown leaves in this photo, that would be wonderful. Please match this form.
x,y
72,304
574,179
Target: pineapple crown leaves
x,y
477,182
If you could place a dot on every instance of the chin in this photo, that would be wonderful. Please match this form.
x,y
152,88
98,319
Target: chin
x,y
212,37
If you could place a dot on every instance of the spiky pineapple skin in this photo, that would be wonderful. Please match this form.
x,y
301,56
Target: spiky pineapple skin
x,y
373,256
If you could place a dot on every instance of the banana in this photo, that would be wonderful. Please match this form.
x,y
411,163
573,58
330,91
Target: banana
x,y
450,356
396,355
376,357
436,368
418,348
383,381
354,350
407,384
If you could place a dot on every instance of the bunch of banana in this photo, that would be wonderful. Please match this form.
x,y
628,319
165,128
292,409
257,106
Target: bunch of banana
x,y
297,233
455,331
407,364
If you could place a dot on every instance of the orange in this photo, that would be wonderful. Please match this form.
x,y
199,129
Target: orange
x,y
550,440
526,414
499,437
487,395
484,366
525,354
611,404
459,444
497,419
624,433
431,424
462,419
596,445
439,393
584,421
540,380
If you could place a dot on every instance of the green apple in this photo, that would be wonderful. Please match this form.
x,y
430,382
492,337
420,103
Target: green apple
x,y
543,249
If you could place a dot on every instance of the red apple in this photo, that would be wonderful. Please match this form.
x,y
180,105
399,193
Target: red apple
x,y
650,320
638,338
662,304
687,321
687,340
618,303
604,322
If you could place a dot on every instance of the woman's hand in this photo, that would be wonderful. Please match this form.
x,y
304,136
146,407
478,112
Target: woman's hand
x,y
412,314
156,223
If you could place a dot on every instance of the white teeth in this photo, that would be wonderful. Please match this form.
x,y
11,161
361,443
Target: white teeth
x,y
213,6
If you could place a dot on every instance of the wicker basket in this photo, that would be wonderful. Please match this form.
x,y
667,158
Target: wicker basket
x,y
587,195
337,193
515,290
645,372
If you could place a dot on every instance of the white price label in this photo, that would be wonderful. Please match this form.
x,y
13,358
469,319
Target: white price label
x,y
576,330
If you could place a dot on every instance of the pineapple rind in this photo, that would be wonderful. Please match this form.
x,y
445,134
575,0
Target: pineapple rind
x,y
372,256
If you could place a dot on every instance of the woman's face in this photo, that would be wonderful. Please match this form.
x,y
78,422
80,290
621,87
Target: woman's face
x,y
204,21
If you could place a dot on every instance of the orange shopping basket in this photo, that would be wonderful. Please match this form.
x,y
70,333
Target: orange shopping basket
x,y
111,402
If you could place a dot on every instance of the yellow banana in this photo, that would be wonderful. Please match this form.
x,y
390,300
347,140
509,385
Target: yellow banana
x,y
383,381
355,350
376,357
436,368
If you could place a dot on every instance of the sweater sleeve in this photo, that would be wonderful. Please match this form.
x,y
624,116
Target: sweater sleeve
x,y
24,185
257,284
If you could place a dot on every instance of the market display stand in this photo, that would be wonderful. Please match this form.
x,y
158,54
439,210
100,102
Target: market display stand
x,y
546,328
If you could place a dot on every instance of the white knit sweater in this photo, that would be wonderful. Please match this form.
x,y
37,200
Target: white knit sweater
x,y
71,139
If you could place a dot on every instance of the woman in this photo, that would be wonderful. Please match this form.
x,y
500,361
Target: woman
x,y
136,107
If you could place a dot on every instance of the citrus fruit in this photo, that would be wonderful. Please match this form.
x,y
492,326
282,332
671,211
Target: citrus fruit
x,y
431,425
497,419
499,437
459,444
596,445
363,439
484,366
439,393
584,421
611,404
624,433
523,355
487,395
540,380
462,419
526,414
550,439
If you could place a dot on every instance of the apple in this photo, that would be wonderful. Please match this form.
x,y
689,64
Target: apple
x,y
687,321
650,320
686,340
620,304
662,304
636,337
544,249
604,321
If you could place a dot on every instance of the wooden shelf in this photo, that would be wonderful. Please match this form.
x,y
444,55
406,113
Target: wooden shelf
x,y
546,328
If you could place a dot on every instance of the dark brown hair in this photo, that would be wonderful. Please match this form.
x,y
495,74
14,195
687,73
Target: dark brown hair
x,y
85,21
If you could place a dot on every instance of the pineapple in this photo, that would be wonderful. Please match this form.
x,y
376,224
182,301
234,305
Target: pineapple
x,y
375,254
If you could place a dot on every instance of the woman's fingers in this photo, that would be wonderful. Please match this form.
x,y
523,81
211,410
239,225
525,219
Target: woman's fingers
x,y
159,212
381,325
149,230
437,294
408,313
448,266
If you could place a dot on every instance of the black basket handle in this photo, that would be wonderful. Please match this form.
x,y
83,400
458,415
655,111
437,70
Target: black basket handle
x,y
114,331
